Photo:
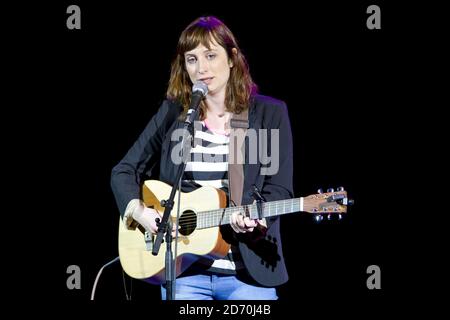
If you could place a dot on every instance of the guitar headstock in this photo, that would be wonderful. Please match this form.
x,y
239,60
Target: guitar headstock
x,y
330,203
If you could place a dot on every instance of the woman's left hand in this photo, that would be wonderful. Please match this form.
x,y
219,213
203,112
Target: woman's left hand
x,y
241,224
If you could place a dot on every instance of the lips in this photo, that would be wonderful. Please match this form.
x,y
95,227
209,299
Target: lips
x,y
207,80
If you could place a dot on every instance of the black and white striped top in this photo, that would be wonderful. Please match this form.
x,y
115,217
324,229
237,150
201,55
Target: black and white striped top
x,y
208,166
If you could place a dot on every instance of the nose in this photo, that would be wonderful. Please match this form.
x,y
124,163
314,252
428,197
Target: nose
x,y
202,65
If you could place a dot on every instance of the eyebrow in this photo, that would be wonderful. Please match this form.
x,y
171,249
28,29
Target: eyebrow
x,y
193,54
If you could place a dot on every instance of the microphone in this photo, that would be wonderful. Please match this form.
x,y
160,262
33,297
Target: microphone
x,y
199,90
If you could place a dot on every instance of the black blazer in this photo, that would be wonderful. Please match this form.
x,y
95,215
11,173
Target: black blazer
x,y
149,157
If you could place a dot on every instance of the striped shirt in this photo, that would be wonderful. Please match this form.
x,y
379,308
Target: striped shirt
x,y
208,166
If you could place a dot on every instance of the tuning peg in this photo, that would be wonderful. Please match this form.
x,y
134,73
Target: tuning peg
x,y
345,201
330,190
340,189
339,216
329,217
318,218
320,190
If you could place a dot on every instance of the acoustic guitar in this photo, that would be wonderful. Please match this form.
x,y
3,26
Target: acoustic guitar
x,y
202,212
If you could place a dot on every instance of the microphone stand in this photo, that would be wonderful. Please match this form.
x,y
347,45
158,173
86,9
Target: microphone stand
x,y
165,225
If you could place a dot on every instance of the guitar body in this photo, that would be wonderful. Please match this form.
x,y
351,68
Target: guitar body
x,y
137,260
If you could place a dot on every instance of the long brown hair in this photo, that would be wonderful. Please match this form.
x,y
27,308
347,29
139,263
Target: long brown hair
x,y
240,86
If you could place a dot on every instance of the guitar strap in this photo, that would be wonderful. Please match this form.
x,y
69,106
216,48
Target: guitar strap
x,y
236,158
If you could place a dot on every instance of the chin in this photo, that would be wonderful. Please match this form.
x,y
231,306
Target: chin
x,y
211,90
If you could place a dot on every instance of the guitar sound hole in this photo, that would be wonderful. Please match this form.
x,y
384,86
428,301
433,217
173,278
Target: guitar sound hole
x,y
188,222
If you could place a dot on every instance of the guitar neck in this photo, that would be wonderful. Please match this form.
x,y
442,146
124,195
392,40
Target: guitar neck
x,y
215,218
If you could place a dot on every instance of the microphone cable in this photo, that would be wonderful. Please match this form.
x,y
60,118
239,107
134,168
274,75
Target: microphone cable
x,y
98,276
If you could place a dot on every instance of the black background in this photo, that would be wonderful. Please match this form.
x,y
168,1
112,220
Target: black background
x,y
90,92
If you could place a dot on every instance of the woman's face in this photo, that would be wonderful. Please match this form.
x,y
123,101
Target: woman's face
x,y
212,66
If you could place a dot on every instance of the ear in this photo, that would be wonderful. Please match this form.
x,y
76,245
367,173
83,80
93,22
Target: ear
x,y
234,53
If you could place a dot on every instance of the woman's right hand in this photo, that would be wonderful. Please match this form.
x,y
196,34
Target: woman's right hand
x,y
146,217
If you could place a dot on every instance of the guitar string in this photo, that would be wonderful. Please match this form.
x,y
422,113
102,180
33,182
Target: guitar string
x,y
215,216
215,219
268,206
218,214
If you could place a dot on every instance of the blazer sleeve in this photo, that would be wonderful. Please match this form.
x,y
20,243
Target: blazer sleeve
x,y
279,186
261,249
127,175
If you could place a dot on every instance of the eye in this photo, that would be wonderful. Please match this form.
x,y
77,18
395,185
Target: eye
x,y
210,56
191,60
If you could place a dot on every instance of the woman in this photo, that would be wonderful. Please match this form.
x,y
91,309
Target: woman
x,y
207,51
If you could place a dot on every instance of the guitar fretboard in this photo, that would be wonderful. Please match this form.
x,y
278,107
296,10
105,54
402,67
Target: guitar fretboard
x,y
214,218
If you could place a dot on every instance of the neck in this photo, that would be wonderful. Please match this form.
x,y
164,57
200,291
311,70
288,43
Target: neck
x,y
216,103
